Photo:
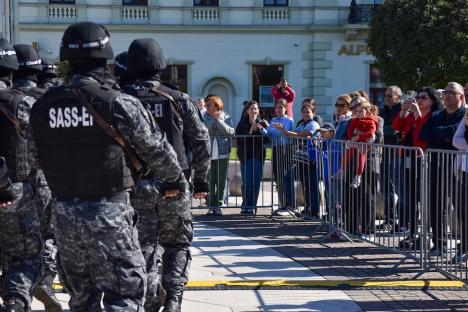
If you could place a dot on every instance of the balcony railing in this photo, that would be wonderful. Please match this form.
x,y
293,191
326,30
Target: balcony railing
x,y
205,15
361,14
276,14
135,14
65,13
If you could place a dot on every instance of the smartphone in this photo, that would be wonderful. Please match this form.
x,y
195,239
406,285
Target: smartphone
x,y
409,95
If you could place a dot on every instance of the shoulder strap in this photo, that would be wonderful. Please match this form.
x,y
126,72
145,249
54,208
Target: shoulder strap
x,y
8,97
110,131
174,104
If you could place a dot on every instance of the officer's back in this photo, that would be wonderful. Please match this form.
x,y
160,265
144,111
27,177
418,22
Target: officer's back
x,y
90,174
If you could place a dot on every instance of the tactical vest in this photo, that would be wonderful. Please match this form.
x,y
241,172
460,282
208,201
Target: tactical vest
x,y
13,143
167,116
78,158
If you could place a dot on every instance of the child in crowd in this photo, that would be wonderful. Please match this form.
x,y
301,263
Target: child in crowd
x,y
362,128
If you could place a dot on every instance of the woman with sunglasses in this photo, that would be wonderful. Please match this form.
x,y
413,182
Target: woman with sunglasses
x,y
410,121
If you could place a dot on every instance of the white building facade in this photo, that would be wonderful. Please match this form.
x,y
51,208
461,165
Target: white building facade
x,y
237,49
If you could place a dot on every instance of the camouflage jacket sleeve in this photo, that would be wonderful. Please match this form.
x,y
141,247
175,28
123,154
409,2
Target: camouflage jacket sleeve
x,y
197,140
32,151
138,128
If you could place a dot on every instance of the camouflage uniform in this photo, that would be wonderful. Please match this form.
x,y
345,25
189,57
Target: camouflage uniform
x,y
42,197
98,248
20,235
172,219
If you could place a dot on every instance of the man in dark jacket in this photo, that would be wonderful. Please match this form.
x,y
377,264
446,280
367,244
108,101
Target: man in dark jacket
x,y
438,132
392,107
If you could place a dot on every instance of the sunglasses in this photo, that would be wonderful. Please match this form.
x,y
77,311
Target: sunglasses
x,y
421,97
450,93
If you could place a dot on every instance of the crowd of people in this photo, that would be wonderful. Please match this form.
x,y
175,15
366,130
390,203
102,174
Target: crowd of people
x,y
372,168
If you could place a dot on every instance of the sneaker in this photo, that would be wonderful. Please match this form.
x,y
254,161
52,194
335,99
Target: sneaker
x,y
247,211
356,182
384,227
218,211
210,212
459,256
402,229
283,211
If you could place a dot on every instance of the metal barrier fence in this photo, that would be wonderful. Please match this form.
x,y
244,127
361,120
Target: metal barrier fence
x,y
398,197
241,174
447,195
377,194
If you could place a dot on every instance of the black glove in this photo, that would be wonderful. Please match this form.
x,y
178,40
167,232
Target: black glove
x,y
200,186
181,185
7,193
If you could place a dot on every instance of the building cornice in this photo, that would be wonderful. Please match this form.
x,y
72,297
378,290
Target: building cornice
x,y
280,29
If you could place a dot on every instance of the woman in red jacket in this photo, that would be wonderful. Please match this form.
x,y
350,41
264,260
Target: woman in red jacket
x,y
362,128
412,117
283,90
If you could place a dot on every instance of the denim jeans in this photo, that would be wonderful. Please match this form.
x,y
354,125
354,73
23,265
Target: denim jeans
x,y
251,172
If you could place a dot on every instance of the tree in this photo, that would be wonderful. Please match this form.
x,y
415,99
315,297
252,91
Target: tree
x,y
421,42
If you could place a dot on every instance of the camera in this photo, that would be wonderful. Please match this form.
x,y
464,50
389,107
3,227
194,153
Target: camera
x,y
263,123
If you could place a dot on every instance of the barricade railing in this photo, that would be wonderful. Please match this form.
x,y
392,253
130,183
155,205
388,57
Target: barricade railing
x,y
447,195
241,174
377,194
298,170
397,197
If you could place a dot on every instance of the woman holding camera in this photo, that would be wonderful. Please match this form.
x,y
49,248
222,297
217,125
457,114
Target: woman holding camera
x,y
251,153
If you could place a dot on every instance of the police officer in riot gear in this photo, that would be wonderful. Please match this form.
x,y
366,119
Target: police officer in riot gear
x,y
177,116
90,174
48,78
120,70
26,81
30,65
20,233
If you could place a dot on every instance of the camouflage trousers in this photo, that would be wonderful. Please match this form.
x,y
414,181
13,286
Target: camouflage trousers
x,y
42,198
21,245
99,255
168,223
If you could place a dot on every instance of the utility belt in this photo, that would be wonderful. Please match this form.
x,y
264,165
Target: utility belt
x,y
120,197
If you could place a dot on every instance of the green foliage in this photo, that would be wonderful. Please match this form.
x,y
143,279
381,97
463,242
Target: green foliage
x,y
421,42
63,70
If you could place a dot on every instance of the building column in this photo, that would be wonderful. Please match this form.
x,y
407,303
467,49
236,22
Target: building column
x,y
316,75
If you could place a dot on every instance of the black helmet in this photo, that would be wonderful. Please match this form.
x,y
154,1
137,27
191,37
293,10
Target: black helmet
x,y
86,40
28,59
8,57
145,55
120,64
48,67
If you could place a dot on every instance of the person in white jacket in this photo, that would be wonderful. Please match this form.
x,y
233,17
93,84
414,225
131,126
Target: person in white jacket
x,y
460,141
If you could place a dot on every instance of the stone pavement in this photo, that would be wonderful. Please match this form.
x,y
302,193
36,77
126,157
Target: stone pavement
x,y
342,260
239,248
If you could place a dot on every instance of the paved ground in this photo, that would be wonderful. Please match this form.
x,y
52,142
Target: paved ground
x,y
340,260
238,248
